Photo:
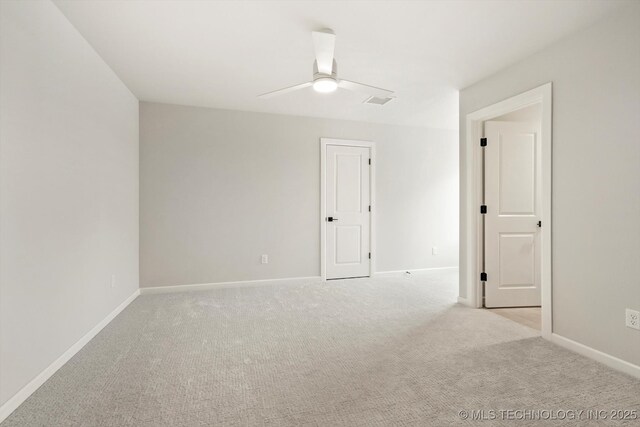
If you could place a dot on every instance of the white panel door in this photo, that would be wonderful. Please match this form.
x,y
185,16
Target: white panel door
x,y
513,199
347,212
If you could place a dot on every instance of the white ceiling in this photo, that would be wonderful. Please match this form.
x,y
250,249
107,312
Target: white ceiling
x,y
224,53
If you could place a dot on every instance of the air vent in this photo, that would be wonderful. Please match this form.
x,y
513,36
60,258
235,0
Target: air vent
x,y
377,101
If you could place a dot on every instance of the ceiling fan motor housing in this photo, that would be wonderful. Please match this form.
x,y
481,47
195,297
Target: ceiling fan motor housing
x,y
318,75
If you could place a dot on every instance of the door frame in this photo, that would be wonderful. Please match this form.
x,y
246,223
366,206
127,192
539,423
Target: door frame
x,y
324,142
473,218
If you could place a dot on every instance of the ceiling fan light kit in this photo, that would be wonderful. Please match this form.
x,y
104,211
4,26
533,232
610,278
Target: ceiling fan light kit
x,y
325,72
325,85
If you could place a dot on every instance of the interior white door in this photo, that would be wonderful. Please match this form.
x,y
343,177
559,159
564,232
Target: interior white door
x,y
513,199
347,212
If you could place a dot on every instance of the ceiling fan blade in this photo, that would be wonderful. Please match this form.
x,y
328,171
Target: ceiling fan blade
x,y
324,42
285,90
360,87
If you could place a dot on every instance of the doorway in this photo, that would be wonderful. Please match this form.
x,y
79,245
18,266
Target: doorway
x,y
509,145
347,209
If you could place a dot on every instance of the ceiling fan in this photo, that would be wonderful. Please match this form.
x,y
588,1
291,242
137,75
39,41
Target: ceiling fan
x,y
325,71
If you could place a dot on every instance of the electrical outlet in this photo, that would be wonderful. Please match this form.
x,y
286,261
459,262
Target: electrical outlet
x,y
265,259
632,318
434,250
113,280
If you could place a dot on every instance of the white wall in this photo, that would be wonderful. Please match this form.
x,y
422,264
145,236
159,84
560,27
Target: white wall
x,y
596,176
219,188
68,190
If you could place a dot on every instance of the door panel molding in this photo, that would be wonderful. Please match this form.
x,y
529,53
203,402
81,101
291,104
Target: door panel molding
x,y
471,217
324,142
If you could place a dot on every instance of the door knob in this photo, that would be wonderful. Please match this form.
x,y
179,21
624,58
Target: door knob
x,y
539,223
331,219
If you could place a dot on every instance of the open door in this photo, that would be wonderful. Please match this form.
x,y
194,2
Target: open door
x,y
512,196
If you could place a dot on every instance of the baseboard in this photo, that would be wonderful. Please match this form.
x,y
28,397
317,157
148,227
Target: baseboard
x,y
597,355
262,282
22,395
221,285
465,301
415,270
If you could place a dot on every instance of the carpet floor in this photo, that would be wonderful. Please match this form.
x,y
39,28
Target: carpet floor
x,y
393,351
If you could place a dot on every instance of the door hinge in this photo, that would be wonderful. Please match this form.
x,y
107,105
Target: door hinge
x,y
483,209
369,161
483,142
369,255
483,277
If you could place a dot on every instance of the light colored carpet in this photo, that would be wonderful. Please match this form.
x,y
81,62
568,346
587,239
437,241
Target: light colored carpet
x,y
362,352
